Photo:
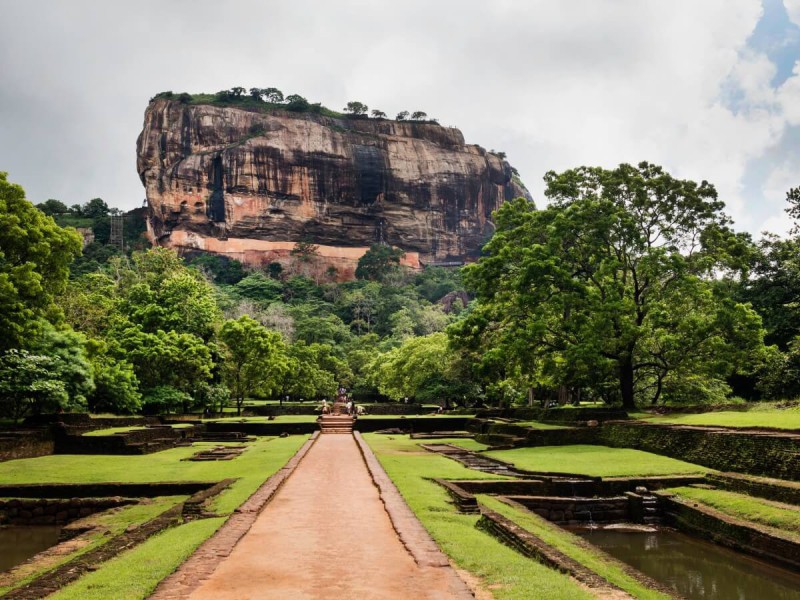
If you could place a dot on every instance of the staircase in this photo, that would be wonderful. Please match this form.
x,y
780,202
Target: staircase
x,y
336,424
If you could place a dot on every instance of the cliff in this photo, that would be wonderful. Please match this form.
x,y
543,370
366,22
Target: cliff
x,y
250,184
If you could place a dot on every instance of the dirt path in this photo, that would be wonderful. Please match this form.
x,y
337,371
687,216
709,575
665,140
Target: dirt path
x,y
326,534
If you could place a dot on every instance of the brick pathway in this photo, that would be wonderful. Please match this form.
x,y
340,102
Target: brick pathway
x,y
327,534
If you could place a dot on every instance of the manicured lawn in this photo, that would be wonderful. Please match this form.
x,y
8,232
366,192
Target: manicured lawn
x,y
539,425
260,460
508,574
571,545
595,460
134,574
109,524
772,514
773,418
278,419
113,430
420,416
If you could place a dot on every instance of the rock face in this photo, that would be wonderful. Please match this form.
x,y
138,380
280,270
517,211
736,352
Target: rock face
x,y
251,184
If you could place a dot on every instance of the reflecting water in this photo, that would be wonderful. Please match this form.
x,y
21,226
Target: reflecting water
x,y
697,569
18,544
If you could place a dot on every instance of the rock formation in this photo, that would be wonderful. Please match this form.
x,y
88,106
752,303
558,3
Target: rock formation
x,y
251,184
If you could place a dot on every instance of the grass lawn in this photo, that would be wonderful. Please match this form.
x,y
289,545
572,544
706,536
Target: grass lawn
x,y
595,460
571,545
134,574
785,517
508,574
774,417
420,416
107,524
113,430
277,419
538,425
260,460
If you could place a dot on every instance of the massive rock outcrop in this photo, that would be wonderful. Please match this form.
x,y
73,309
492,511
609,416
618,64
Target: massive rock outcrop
x,y
251,184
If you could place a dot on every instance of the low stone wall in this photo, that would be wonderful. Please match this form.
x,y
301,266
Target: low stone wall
x,y
773,455
556,415
50,511
771,489
137,441
705,522
530,545
263,428
27,443
413,424
574,511
312,408
99,490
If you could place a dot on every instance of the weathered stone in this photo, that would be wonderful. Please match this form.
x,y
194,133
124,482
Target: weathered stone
x,y
250,184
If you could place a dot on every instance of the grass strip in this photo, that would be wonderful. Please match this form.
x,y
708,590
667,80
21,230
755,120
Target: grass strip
x,y
770,418
506,573
574,547
764,512
134,574
598,461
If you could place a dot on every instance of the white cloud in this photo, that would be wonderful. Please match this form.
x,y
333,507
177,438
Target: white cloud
x,y
793,10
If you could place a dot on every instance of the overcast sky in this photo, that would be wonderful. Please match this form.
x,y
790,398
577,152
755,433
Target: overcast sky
x,y
708,88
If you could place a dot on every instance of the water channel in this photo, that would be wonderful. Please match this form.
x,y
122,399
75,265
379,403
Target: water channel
x,y
18,544
694,568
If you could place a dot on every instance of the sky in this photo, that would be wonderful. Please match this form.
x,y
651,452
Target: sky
x,y
708,89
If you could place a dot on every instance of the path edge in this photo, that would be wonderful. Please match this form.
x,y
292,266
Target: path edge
x,y
413,535
202,563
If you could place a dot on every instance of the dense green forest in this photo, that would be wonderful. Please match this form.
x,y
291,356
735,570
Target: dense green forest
x,y
629,287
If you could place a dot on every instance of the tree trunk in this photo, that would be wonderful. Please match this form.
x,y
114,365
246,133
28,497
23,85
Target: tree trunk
x,y
626,383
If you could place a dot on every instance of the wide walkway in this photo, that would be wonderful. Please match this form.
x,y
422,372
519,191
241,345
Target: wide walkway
x,y
324,535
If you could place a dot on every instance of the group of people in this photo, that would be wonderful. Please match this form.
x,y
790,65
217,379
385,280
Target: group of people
x,y
351,407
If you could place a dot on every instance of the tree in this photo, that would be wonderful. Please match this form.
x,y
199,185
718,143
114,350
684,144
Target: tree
x,y
378,261
418,115
35,255
296,103
53,207
402,115
29,385
378,114
256,93
254,359
237,92
356,109
274,95
614,281
116,386
96,208
260,288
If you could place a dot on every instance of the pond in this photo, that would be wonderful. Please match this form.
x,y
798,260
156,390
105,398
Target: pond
x,y
696,569
18,544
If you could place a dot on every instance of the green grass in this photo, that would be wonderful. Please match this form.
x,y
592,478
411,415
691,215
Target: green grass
x,y
595,460
508,574
278,419
107,524
113,430
539,425
571,545
419,416
764,512
260,460
772,418
134,574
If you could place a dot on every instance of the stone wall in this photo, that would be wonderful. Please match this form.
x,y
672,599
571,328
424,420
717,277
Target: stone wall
x,y
574,511
757,453
50,511
771,489
556,415
744,536
103,490
25,444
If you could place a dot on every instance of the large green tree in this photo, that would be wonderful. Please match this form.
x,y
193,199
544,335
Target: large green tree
x,y
254,359
35,255
613,281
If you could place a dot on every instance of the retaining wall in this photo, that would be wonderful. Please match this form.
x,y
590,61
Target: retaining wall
x,y
29,511
773,455
27,443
